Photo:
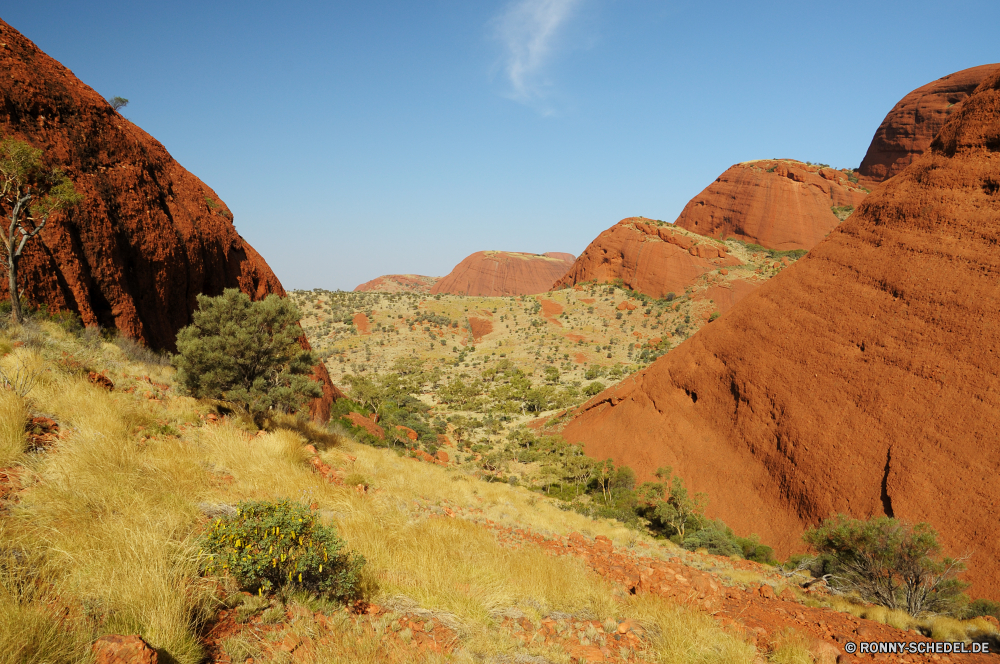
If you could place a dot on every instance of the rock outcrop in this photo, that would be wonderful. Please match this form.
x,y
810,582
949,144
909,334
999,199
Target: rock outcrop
x,y
398,283
911,125
148,237
492,273
863,379
647,257
776,203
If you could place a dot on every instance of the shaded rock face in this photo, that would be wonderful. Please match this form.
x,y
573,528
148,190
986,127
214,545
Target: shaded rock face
x,y
651,259
493,273
776,203
864,379
398,283
149,236
911,125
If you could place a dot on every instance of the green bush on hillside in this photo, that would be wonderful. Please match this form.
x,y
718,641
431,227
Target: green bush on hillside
x,y
268,545
246,353
890,562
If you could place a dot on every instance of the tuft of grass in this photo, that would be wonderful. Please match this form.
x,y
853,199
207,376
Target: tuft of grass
x,y
13,419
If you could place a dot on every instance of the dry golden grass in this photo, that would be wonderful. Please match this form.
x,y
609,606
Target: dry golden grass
x,y
13,417
112,516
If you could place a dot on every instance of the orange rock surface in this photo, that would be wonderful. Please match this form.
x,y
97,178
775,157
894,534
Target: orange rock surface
x,y
148,237
776,203
647,258
907,131
491,273
399,283
863,379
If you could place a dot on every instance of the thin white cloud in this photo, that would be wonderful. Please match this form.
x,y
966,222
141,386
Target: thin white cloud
x,y
528,30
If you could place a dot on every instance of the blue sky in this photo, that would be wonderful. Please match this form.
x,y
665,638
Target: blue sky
x,y
354,139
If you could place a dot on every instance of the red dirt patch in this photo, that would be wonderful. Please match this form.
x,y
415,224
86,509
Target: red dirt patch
x,y
361,322
550,309
480,328
580,358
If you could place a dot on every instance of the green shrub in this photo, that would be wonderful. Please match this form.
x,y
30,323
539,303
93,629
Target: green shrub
x,y
890,562
270,545
246,353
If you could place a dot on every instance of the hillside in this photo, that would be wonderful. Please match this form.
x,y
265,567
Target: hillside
x,y
398,283
504,273
777,203
860,380
110,485
911,125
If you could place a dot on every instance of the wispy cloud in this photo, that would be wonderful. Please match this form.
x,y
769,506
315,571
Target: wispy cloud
x,y
528,30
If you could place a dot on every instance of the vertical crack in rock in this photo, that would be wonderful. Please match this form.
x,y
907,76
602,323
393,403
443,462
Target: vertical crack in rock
x,y
886,499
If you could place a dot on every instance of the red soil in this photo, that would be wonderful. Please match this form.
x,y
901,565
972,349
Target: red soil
x,y
491,273
863,379
361,322
550,309
399,283
479,328
148,237
728,293
779,204
911,125
646,258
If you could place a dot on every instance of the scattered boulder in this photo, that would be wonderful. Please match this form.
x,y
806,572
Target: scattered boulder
x,y
117,649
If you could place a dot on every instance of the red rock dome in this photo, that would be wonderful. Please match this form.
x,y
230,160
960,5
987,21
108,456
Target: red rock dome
x,y
491,273
776,203
864,379
907,131
646,257
148,237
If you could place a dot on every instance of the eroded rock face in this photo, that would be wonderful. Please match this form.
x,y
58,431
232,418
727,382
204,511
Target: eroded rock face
x,y
647,258
863,379
149,236
399,283
492,273
776,203
911,125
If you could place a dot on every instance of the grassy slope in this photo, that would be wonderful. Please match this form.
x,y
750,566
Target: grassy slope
x,y
103,535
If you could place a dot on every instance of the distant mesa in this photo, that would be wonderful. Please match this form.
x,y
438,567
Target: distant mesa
x,y
649,257
497,273
777,203
864,380
398,283
907,131
149,236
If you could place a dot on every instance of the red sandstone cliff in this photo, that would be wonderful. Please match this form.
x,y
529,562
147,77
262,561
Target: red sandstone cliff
x,y
776,203
864,379
398,283
907,131
647,258
149,236
492,273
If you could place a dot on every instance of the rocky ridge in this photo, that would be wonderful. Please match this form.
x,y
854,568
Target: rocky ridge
x,y
861,380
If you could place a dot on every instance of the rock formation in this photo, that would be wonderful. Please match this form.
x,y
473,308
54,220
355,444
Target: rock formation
x,y
491,273
776,203
907,131
149,236
863,379
399,283
647,257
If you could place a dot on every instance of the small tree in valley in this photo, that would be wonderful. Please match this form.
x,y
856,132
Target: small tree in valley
x,y
29,194
246,353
